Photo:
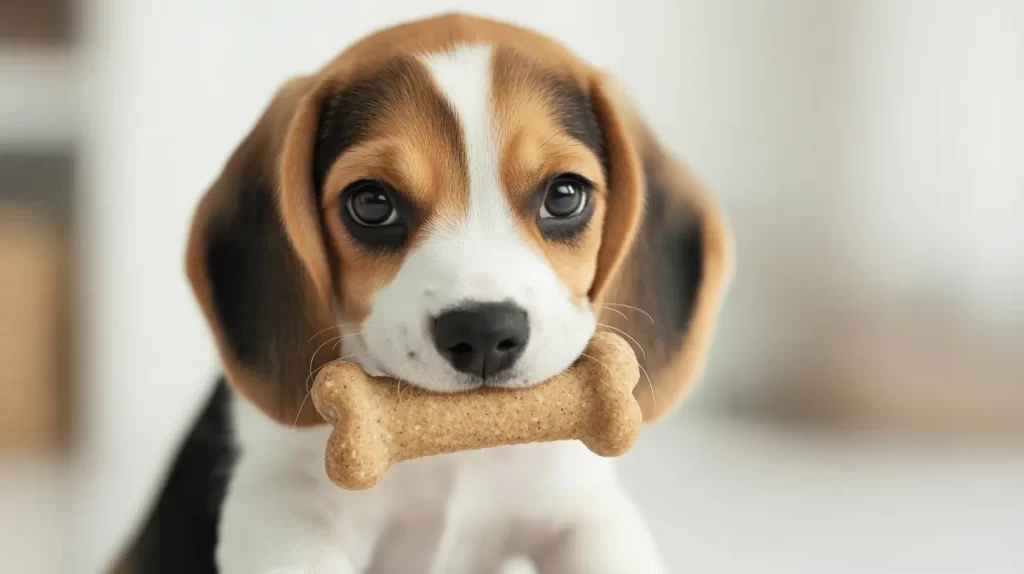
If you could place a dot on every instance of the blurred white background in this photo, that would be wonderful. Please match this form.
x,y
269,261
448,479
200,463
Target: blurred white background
x,y
868,154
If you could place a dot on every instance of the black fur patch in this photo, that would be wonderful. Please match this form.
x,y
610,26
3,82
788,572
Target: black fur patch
x,y
348,116
576,115
181,532
258,286
240,263
676,261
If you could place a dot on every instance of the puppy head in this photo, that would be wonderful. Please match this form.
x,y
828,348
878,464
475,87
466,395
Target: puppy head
x,y
448,202
466,220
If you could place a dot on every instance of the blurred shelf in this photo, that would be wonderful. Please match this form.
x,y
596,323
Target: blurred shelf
x,y
40,179
39,97
37,22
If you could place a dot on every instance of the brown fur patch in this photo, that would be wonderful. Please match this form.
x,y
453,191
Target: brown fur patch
x,y
535,145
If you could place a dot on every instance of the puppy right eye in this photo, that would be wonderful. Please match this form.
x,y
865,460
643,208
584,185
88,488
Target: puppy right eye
x,y
370,205
566,197
566,206
371,214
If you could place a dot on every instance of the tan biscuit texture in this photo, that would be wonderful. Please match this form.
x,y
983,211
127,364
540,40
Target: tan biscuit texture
x,y
378,422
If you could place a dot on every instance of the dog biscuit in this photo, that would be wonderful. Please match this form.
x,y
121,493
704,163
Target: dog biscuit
x,y
378,422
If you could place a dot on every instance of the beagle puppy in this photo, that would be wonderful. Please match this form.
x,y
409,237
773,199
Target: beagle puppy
x,y
453,202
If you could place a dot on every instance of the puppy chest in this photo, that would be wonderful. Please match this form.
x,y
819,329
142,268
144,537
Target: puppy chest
x,y
470,511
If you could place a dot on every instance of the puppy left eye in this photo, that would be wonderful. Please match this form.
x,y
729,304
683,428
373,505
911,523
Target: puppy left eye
x,y
565,197
369,205
372,214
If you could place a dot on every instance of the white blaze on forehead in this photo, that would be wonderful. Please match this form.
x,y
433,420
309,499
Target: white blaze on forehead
x,y
464,77
485,240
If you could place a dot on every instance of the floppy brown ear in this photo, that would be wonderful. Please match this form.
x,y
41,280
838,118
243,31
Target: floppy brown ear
x,y
666,255
257,262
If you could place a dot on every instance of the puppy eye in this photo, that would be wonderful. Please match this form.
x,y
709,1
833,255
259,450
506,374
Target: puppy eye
x,y
376,215
370,205
566,197
566,207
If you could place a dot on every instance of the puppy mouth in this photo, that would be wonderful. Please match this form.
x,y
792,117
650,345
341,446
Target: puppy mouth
x,y
369,361
460,383
505,379
379,368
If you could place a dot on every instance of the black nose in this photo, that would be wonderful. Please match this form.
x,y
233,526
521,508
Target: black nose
x,y
484,339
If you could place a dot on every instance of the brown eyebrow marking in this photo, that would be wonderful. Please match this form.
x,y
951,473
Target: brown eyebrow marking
x,y
360,109
558,92
574,112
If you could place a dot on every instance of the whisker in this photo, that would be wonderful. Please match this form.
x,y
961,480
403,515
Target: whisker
x,y
313,358
399,382
338,342
414,389
309,392
630,307
339,326
408,388
298,413
650,383
339,339
628,336
607,368
315,335
312,374
614,311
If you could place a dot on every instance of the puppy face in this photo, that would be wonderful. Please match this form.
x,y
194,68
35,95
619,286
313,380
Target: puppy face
x,y
464,218
458,196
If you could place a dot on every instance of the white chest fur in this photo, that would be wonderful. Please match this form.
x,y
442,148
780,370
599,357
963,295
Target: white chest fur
x,y
465,512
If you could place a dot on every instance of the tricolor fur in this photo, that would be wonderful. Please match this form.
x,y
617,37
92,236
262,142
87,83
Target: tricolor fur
x,y
467,123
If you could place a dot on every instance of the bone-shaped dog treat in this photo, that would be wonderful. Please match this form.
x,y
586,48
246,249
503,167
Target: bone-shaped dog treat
x,y
378,423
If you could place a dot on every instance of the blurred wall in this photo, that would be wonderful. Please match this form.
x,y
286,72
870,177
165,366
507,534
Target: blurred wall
x,y
868,155
867,152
